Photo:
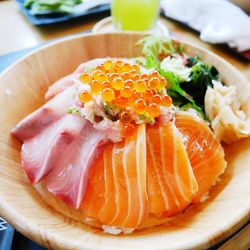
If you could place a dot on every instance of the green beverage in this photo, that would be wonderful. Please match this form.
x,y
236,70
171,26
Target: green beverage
x,y
138,15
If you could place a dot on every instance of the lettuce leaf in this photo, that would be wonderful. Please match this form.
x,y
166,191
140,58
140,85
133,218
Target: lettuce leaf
x,y
154,47
188,94
157,47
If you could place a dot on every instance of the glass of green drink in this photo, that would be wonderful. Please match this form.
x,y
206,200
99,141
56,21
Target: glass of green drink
x,y
136,15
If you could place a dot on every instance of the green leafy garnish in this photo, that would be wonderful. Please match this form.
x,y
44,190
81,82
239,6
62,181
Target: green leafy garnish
x,y
201,77
110,111
73,110
157,47
187,94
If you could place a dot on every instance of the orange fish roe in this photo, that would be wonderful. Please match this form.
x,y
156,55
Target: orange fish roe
x,y
166,101
85,77
144,76
155,74
131,95
96,87
162,83
125,76
108,64
126,67
117,83
85,96
126,92
132,72
119,63
106,84
112,76
135,77
140,106
157,98
148,95
100,67
136,67
121,101
153,109
154,83
101,77
129,83
95,74
108,94
137,95
140,86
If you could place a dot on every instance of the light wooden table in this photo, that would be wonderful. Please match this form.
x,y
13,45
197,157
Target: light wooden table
x,y
17,33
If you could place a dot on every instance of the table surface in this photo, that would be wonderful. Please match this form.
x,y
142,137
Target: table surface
x,y
18,33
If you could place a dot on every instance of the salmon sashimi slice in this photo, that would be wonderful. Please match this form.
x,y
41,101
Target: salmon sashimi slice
x,y
171,182
119,191
69,176
69,80
40,153
205,152
37,121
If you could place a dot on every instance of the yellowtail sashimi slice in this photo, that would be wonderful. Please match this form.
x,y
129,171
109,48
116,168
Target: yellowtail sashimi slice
x,y
41,152
69,177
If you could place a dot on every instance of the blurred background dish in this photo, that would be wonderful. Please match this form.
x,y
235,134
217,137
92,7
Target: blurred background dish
x,y
84,10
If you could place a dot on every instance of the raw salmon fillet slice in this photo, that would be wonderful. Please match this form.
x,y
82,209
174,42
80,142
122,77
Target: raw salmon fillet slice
x,y
171,182
205,152
116,193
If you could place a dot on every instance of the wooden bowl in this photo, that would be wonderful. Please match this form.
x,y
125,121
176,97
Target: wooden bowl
x,y
22,87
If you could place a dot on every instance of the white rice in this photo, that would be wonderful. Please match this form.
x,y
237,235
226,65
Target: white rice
x,y
115,230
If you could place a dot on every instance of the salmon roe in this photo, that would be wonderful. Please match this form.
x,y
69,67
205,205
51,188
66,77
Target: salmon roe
x,y
96,87
85,78
128,91
108,94
140,106
85,96
153,109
